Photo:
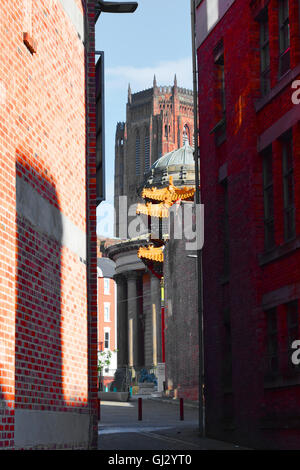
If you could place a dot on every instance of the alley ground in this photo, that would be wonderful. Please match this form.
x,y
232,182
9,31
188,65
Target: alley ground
x,y
160,428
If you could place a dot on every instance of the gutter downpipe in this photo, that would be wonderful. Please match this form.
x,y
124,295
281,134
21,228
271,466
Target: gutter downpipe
x,y
202,429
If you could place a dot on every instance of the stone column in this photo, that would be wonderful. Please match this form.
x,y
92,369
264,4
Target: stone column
x,y
132,318
156,320
147,310
122,321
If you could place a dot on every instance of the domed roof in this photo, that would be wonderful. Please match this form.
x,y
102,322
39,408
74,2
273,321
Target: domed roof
x,y
179,164
181,157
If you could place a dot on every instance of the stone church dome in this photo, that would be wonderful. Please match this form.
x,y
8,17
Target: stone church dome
x,y
179,164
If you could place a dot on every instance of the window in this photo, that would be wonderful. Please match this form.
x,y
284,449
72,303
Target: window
x,y
106,340
220,79
284,37
272,341
106,286
264,53
220,98
137,154
288,187
268,199
225,230
106,311
221,83
166,131
186,135
147,150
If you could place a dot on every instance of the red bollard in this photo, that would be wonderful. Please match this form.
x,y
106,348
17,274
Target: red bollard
x,y
140,409
99,410
181,410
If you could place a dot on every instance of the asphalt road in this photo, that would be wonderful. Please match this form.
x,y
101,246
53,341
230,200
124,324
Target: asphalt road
x,y
159,429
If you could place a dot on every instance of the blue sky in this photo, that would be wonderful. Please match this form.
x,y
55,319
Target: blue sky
x,y
154,39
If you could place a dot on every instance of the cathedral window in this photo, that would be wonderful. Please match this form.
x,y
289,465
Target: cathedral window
x,y
137,154
147,150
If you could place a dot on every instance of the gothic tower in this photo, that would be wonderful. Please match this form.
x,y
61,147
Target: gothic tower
x,y
158,121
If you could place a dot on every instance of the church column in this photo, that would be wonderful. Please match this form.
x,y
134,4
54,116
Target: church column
x,y
132,319
122,321
156,320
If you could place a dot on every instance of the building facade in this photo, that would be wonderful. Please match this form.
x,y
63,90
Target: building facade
x,y
107,317
158,120
48,372
138,296
250,186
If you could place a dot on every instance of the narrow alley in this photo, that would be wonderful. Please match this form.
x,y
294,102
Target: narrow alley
x,y
159,429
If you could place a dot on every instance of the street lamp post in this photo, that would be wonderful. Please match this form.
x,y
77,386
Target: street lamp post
x,y
114,7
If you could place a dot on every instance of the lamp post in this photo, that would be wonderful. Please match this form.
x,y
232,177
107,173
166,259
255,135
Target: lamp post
x,y
199,251
114,7
104,7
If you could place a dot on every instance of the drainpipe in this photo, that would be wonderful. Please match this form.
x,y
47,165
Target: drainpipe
x,y
199,251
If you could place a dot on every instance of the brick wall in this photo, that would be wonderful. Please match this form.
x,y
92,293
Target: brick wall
x,y
48,364
242,406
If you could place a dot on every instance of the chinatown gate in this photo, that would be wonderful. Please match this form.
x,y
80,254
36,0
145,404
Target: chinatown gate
x,y
157,312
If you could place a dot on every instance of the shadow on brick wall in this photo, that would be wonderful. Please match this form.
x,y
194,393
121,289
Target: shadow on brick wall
x,y
38,344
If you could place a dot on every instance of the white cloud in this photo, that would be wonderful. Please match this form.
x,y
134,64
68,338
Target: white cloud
x,y
141,78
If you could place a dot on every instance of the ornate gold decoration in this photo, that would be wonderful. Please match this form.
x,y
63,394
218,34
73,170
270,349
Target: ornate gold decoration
x,y
151,252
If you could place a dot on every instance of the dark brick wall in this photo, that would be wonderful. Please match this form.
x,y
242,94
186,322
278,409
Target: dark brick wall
x,y
241,406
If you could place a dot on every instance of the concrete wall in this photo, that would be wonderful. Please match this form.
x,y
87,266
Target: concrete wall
x,y
57,430
181,321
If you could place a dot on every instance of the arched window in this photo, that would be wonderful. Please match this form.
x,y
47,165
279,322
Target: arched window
x,y
147,150
166,131
186,135
137,154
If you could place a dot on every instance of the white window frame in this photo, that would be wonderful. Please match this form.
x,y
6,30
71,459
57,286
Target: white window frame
x,y
106,286
107,306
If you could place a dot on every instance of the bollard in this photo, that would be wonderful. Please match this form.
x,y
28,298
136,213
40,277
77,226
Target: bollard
x,y
99,410
140,409
181,410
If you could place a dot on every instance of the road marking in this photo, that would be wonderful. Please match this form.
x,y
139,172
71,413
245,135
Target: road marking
x,y
116,403
121,430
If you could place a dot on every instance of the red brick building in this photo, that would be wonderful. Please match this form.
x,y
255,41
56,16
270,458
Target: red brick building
x,y
107,315
48,272
249,58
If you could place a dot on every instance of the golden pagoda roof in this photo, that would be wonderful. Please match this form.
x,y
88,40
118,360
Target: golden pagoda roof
x,y
153,210
151,252
169,194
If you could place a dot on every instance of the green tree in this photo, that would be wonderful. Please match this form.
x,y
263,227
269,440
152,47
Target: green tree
x,y
104,360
